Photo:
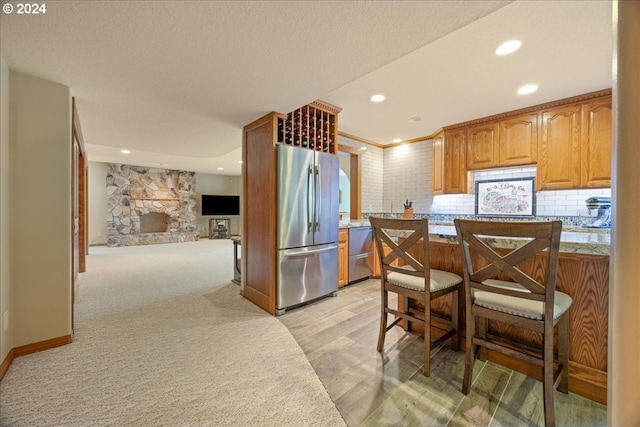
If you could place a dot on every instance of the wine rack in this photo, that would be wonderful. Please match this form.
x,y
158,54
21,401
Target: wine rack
x,y
313,127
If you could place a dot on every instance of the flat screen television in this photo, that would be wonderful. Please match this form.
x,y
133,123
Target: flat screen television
x,y
217,205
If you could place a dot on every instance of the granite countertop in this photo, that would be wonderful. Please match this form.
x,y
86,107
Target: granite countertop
x,y
572,240
594,241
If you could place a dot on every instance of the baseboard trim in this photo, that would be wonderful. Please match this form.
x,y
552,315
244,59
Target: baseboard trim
x,y
4,367
42,345
35,347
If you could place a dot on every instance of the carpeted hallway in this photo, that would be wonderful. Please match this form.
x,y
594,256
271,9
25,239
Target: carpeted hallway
x,y
163,338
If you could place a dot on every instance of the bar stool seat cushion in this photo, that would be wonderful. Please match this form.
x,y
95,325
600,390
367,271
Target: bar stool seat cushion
x,y
518,306
439,280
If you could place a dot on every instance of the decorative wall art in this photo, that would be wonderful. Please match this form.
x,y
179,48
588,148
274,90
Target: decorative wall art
x,y
513,198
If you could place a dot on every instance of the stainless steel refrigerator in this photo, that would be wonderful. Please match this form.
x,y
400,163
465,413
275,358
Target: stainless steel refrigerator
x,y
307,226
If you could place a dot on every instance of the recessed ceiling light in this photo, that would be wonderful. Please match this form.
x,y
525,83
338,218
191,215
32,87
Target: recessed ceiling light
x,y
220,169
415,119
527,89
397,140
508,47
125,151
377,98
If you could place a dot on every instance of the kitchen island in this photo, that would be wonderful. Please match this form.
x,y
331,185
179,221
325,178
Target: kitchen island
x,y
583,274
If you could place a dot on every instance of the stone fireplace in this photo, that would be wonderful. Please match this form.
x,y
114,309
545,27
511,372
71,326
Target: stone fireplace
x,y
149,205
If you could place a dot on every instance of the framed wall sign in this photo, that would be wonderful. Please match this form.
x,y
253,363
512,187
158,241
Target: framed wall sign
x,y
513,197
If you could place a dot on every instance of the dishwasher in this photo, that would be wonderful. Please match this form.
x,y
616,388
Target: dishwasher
x,y
360,253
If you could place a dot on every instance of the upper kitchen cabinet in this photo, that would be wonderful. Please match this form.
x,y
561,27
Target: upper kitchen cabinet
x,y
482,146
575,146
449,165
438,163
559,164
454,164
509,142
596,144
518,140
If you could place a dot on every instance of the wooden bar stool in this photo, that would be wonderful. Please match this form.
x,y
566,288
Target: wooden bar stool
x,y
403,274
496,289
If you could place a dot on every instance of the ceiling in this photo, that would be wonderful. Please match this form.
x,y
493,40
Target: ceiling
x,y
175,81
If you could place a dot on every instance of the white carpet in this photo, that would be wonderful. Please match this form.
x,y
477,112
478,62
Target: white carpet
x,y
163,338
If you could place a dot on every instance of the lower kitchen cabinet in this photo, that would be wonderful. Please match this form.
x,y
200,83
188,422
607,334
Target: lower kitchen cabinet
x,y
343,257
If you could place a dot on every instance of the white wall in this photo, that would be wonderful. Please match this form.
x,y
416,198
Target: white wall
x,y
407,175
6,325
371,175
97,185
41,217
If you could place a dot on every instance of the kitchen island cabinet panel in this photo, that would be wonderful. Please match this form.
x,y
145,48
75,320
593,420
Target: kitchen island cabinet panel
x,y
585,278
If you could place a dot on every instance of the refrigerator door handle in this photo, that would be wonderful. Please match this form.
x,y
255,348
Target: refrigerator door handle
x,y
318,200
310,207
307,252
360,256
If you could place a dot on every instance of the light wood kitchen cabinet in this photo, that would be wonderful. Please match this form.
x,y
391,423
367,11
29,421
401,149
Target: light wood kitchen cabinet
x,y
575,146
518,138
509,142
449,165
343,257
438,164
559,148
596,144
454,166
483,146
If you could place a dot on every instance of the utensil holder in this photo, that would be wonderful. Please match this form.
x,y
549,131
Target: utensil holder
x,y
408,213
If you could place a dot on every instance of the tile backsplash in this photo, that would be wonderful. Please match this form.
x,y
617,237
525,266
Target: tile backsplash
x,y
558,203
392,175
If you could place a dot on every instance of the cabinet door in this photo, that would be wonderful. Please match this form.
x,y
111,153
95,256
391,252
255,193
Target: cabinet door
x,y
343,257
438,159
519,140
596,144
559,148
482,146
455,167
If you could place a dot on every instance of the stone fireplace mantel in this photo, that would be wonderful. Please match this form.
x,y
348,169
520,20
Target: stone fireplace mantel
x,y
133,191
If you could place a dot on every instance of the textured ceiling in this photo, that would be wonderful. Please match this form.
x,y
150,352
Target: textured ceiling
x,y
175,82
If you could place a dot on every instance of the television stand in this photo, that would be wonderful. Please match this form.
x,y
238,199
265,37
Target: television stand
x,y
219,228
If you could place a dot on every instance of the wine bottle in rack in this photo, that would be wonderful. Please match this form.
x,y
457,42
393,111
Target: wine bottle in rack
x,y
287,133
280,135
